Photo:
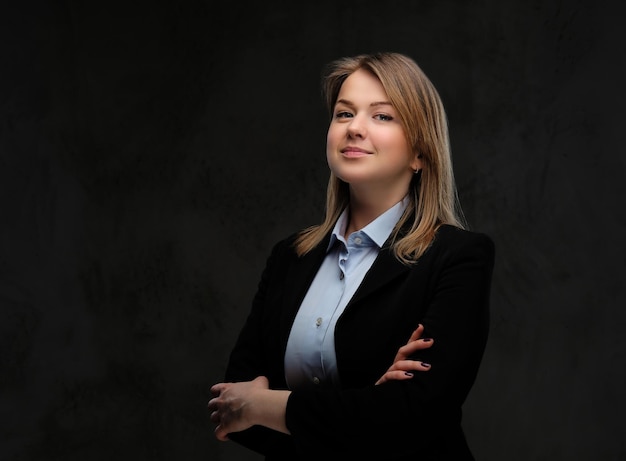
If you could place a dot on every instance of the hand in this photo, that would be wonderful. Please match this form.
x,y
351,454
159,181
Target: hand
x,y
231,405
401,367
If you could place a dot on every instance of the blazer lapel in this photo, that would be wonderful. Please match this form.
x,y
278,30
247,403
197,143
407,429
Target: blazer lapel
x,y
302,272
385,268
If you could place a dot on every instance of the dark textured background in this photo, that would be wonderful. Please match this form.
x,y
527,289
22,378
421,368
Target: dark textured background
x,y
152,152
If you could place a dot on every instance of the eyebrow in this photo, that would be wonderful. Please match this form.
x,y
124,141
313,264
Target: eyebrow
x,y
374,104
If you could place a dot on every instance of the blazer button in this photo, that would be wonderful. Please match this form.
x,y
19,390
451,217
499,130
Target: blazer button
x,y
316,380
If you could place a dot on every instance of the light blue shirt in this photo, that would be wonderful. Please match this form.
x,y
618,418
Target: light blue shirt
x,y
310,360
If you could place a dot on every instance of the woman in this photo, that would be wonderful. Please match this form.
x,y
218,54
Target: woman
x,y
321,368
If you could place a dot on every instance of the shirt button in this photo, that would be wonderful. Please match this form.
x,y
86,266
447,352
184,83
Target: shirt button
x,y
316,380
358,240
318,322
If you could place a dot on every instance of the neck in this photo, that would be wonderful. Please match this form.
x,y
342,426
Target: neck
x,y
365,208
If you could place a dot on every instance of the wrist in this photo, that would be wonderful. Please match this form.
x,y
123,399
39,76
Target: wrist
x,y
254,409
267,408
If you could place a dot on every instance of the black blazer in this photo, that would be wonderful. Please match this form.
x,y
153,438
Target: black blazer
x,y
447,290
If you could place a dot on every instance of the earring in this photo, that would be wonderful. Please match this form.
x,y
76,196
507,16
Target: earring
x,y
417,170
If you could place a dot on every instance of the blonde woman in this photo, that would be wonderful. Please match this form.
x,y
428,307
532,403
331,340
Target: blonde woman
x,y
322,368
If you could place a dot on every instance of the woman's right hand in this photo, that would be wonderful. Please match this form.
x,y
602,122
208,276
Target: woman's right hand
x,y
402,367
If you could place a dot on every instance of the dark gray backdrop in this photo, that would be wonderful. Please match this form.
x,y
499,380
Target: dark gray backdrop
x,y
152,152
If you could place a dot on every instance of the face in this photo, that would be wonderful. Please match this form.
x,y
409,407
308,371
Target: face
x,y
366,144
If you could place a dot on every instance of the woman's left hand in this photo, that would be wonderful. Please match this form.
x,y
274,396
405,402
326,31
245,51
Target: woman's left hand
x,y
231,406
402,365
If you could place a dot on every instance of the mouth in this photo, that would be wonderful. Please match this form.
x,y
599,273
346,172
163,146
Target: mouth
x,y
353,152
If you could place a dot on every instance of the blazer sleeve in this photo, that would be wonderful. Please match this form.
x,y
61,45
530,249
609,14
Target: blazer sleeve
x,y
248,357
410,417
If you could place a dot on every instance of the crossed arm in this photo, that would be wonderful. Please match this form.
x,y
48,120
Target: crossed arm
x,y
238,406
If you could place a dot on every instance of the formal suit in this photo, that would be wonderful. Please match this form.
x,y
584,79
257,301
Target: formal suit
x,y
447,290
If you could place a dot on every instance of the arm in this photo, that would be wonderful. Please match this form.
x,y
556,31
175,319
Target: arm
x,y
248,358
419,409
449,291
238,406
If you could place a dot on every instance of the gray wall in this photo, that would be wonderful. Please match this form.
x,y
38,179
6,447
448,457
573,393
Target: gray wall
x,y
152,152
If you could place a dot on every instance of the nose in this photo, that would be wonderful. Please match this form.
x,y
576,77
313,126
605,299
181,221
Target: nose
x,y
356,128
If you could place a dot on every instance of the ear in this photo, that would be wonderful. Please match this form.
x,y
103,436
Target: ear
x,y
416,163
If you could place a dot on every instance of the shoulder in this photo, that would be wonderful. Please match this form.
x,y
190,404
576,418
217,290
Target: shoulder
x,y
285,245
454,240
283,256
452,234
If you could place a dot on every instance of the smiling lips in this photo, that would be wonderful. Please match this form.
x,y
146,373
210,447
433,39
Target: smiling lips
x,y
354,152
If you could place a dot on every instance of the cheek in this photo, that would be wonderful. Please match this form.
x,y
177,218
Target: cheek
x,y
391,139
332,136
396,142
332,141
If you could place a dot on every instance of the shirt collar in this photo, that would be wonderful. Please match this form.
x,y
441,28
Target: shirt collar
x,y
378,230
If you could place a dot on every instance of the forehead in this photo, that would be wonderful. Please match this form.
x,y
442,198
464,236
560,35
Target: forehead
x,y
362,86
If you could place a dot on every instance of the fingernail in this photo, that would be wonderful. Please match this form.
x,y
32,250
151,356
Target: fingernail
x,y
408,374
427,365
427,340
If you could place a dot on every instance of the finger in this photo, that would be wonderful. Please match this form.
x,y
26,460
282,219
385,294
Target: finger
x,y
221,434
416,333
405,351
395,376
213,404
410,348
216,389
403,370
409,365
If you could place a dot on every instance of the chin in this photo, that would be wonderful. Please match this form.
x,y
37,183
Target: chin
x,y
355,178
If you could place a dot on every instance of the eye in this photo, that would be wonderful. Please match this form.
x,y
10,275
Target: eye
x,y
383,117
343,114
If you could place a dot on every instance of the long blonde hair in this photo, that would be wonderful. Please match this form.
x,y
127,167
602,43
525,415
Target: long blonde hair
x,y
433,198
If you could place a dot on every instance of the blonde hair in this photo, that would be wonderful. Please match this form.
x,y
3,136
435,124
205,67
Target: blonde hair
x,y
433,198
